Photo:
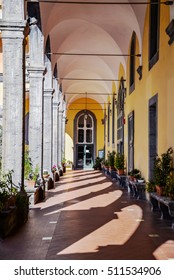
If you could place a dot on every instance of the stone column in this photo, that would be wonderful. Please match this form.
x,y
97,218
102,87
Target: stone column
x,y
48,117
36,116
48,130
60,131
63,129
36,77
55,122
12,26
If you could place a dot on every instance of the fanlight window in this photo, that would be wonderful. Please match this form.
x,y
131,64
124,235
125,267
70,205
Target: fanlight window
x,y
85,127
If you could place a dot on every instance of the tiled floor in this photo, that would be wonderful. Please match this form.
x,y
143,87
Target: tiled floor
x,y
87,216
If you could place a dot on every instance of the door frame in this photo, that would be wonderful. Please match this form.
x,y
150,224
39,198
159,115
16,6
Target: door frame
x,y
76,136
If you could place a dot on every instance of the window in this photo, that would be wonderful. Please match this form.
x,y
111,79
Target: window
x,y
120,118
154,23
132,63
85,129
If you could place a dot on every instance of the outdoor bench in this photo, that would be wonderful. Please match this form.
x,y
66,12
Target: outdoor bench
x,y
164,204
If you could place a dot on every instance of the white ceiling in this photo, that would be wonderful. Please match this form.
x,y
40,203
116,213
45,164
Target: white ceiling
x,y
91,29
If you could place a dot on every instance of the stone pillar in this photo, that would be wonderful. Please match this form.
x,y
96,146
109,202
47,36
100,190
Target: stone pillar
x,y
60,134
12,26
48,130
36,116
63,129
55,122
48,117
36,77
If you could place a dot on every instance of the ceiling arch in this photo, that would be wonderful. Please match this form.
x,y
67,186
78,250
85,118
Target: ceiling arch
x,y
91,29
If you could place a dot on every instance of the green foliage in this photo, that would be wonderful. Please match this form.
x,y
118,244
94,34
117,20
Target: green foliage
x,y
36,173
105,162
150,186
111,158
119,161
64,160
7,189
163,167
28,166
29,172
135,173
97,164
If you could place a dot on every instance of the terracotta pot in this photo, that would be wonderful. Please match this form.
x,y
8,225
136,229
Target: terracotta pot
x,y
120,171
159,190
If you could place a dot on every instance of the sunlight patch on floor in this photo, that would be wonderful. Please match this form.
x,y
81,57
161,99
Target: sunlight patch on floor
x,y
165,251
115,232
78,184
63,197
102,200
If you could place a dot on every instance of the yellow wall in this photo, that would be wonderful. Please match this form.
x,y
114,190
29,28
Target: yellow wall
x,y
159,80
70,124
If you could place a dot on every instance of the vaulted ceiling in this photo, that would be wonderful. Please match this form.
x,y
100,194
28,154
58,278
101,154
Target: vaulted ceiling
x,y
95,29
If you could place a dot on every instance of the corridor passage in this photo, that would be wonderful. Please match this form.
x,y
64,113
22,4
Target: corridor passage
x,y
87,216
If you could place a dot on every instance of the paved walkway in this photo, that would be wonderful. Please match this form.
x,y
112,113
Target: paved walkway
x,y
87,216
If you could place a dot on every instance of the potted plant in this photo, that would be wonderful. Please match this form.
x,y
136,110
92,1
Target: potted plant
x,y
33,176
64,165
12,213
134,174
150,186
170,187
97,164
111,160
163,167
54,168
28,166
69,165
120,163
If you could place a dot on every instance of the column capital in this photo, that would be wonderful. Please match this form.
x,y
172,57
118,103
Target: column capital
x,y
36,71
12,29
48,92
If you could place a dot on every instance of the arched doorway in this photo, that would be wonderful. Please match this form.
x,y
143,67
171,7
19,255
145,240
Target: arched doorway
x,y
84,139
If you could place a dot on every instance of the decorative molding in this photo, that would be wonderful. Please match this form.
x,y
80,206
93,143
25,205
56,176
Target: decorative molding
x,y
170,32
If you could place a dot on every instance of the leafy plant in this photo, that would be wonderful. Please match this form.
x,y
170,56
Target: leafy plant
x,y
111,158
28,166
119,161
163,167
97,164
36,173
63,160
150,186
135,173
7,188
